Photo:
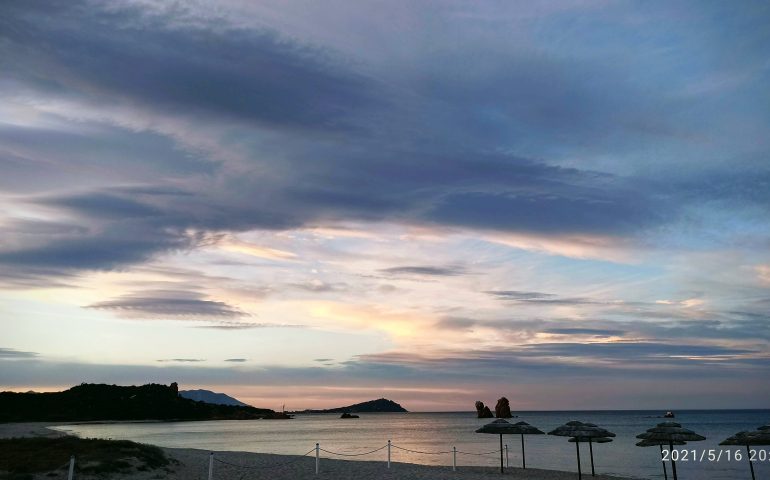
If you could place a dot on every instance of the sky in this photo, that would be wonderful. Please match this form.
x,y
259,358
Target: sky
x,y
320,203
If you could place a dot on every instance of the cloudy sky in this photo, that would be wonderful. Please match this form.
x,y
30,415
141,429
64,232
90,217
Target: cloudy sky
x,y
315,203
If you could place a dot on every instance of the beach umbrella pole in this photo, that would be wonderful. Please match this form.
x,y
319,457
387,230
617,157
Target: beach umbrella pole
x,y
523,459
673,463
591,449
665,474
751,464
501,454
580,473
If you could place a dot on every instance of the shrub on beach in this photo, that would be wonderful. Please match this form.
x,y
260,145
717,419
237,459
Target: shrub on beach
x,y
23,456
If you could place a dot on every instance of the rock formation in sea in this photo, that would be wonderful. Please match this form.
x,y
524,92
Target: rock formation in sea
x,y
482,411
503,408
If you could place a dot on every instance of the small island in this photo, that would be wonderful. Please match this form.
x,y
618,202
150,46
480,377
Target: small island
x,y
381,405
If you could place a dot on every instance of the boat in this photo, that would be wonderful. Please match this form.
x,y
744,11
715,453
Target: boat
x,y
669,414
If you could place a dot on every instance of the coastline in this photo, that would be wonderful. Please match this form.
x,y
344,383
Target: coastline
x,y
233,465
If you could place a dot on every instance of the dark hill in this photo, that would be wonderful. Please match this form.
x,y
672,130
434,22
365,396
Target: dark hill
x,y
379,405
211,397
89,402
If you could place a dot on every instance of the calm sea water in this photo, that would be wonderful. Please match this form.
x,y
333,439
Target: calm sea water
x,y
431,432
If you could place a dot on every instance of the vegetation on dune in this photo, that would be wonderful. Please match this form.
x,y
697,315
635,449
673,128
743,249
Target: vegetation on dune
x,y
22,457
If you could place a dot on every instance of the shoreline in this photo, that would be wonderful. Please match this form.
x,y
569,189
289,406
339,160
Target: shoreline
x,y
233,465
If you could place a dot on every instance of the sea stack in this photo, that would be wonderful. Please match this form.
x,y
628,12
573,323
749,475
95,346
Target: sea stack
x,y
482,411
503,408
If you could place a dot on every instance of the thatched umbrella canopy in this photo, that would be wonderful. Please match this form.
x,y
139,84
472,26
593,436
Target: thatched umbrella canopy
x,y
658,443
586,431
760,436
668,433
500,427
589,439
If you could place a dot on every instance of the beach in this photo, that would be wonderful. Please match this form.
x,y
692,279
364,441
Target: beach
x,y
193,465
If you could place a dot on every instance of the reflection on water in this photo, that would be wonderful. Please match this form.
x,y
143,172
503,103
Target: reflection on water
x,y
441,431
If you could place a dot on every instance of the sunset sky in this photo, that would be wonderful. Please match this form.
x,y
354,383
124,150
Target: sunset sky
x,y
319,203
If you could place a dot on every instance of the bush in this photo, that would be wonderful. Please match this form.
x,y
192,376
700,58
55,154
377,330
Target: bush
x,y
23,456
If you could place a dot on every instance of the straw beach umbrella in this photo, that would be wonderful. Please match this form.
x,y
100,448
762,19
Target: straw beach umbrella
x,y
670,432
659,443
502,427
760,436
591,442
586,431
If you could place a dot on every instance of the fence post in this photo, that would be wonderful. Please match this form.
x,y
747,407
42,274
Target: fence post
x,y
454,459
506,456
71,473
317,457
211,465
388,453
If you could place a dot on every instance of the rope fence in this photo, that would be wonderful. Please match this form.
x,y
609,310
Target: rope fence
x,y
389,446
422,453
215,459
354,454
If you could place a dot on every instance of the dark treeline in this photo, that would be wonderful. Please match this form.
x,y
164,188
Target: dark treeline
x,y
90,402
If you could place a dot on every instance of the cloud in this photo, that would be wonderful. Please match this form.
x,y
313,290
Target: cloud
x,y
542,298
319,286
569,214
170,304
229,325
518,295
599,332
102,205
188,69
763,274
119,245
446,271
620,377
236,360
181,360
286,129
36,277
558,360
246,248
456,323
11,354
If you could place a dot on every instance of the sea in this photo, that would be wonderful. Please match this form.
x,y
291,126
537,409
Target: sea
x,y
429,438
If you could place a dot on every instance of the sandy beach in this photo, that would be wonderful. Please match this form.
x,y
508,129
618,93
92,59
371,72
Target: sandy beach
x,y
193,465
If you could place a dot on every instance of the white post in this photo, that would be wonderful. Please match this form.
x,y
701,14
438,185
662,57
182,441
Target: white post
x,y
454,459
506,456
71,473
211,465
388,453
317,457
